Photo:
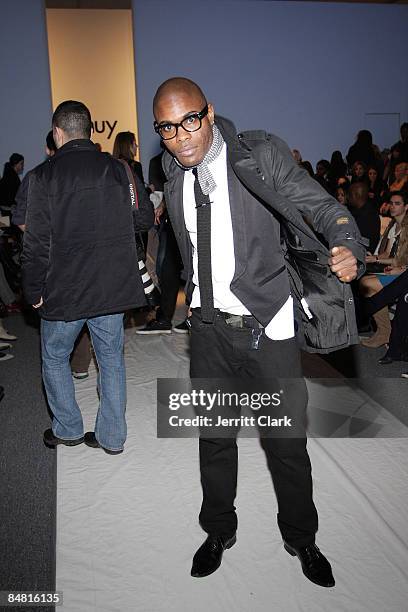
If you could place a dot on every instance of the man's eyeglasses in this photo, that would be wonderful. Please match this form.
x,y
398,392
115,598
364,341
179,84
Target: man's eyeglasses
x,y
191,123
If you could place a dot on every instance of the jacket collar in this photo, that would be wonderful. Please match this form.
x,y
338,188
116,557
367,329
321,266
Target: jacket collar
x,y
76,143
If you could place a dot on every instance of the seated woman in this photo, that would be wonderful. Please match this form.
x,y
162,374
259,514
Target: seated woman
x,y
375,187
393,251
400,177
359,173
395,291
341,195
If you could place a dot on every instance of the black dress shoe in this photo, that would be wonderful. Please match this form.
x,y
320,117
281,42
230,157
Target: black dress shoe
x,y
315,566
51,441
386,360
91,441
208,557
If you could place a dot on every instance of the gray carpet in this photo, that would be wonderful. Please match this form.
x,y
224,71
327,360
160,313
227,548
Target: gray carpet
x,y
27,471
381,382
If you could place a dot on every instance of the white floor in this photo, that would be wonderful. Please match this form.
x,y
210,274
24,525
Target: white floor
x,y
127,525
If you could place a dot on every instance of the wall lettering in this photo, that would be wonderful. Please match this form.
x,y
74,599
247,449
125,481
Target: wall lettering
x,y
99,127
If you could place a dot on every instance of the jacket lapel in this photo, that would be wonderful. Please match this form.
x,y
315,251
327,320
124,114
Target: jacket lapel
x,y
173,194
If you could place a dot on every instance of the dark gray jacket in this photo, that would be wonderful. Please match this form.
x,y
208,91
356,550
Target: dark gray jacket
x,y
273,204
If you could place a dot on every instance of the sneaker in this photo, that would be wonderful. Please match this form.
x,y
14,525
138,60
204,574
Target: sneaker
x,y
155,327
181,328
4,346
404,375
6,356
80,375
4,334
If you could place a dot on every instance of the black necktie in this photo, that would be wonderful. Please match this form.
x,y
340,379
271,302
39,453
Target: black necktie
x,y
203,206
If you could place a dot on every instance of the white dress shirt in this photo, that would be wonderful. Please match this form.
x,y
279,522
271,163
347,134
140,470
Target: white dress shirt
x,y
281,326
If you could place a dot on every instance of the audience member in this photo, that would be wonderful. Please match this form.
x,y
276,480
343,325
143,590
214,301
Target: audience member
x,y
341,195
365,214
125,147
10,181
18,212
396,291
392,160
303,164
393,251
338,169
297,156
359,173
402,145
168,263
362,150
400,177
322,169
375,186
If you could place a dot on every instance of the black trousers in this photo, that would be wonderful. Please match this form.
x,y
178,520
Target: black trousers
x,y
168,273
221,351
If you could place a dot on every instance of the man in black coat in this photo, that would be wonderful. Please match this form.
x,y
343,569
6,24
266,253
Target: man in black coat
x,y
79,266
218,197
365,214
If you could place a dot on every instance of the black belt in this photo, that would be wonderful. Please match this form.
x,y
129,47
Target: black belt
x,y
235,320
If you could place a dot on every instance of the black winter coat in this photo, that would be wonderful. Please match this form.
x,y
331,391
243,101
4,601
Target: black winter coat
x,y
79,246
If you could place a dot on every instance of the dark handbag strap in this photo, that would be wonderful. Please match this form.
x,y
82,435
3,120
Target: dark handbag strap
x,y
132,187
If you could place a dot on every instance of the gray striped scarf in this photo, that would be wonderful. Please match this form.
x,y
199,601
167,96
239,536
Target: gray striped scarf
x,y
205,178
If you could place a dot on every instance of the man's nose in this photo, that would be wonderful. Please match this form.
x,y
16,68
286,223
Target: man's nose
x,y
182,135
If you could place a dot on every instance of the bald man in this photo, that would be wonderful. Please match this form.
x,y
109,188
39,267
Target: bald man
x,y
218,195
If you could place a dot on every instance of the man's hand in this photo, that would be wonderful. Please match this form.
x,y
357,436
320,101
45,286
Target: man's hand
x,y
343,264
40,303
158,213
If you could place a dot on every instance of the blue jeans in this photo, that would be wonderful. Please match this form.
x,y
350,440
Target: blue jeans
x,y
57,342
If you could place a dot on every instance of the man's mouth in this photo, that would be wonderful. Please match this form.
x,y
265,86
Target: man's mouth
x,y
187,152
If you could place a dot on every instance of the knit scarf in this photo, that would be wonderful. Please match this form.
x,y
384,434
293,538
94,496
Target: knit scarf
x,y
205,178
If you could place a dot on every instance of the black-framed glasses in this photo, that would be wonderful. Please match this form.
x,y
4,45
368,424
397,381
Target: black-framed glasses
x,y
191,123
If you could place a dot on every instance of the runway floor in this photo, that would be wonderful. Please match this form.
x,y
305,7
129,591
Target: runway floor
x,y
127,525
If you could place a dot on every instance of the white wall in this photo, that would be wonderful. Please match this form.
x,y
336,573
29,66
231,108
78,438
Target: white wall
x,y
25,98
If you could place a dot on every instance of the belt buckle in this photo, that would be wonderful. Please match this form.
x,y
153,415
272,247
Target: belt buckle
x,y
234,320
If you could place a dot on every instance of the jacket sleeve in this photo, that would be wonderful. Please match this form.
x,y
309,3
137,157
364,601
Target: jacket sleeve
x,y
143,217
320,209
37,241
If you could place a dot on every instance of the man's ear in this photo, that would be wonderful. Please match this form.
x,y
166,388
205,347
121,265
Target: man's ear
x,y
58,135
